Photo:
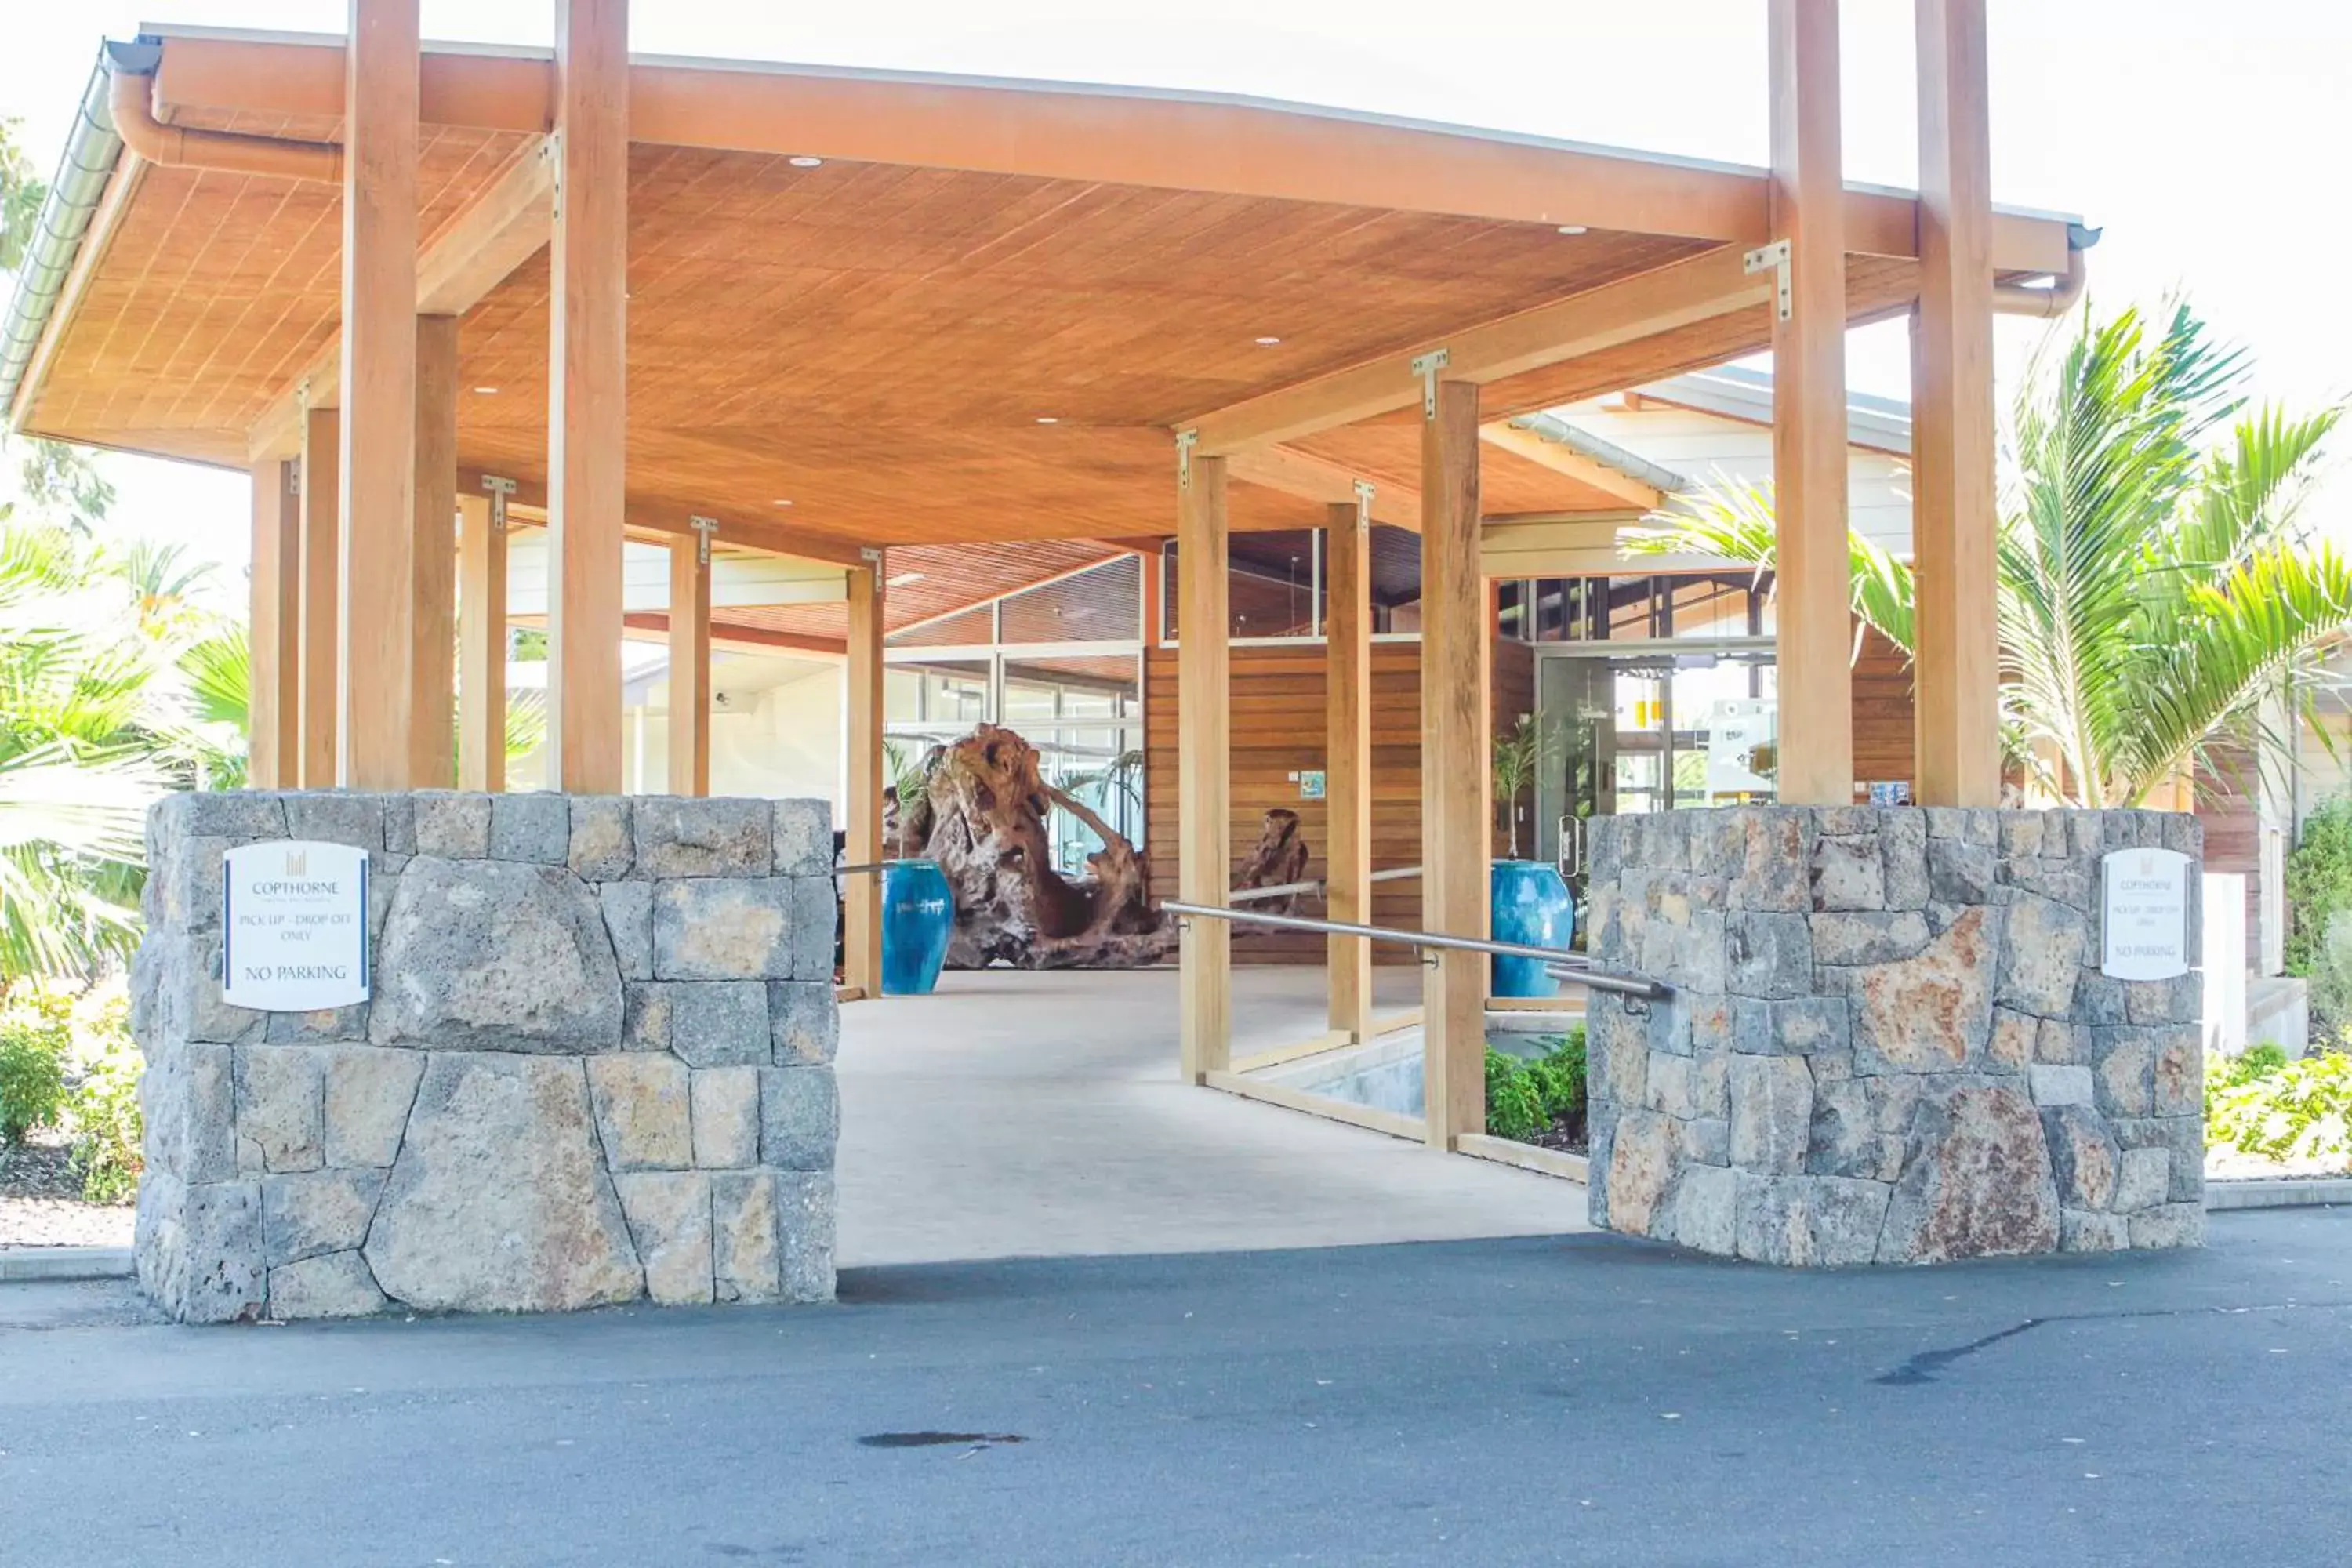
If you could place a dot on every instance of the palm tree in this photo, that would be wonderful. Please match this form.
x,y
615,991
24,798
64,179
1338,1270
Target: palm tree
x,y
77,760
2155,585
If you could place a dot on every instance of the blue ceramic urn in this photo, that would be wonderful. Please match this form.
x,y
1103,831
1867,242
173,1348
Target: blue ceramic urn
x,y
1532,906
918,917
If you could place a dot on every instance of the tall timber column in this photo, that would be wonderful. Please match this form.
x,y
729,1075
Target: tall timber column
x,y
321,590
274,706
1453,777
481,642
1204,777
1809,417
377,673
1348,760
861,896
587,422
1957,670
689,663
432,720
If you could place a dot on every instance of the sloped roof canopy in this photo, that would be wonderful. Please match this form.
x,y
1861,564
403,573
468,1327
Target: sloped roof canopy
x,y
928,310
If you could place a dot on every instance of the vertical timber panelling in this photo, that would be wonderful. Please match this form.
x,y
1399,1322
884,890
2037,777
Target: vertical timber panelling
x,y
434,560
1809,408
323,576
481,646
378,666
689,667
1348,764
1204,747
1455,824
861,918
1952,430
274,702
587,424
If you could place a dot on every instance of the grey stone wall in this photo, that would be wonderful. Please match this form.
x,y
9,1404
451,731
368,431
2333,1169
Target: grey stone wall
x,y
1889,1040
597,1065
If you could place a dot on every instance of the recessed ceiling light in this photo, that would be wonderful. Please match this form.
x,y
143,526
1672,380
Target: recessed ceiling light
x,y
807,163
1047,419
486,392
783,503
1267,343
902,579
1571,228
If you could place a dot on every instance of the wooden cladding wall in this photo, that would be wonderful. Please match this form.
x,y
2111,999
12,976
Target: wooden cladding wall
x,y
1884,742
1277,717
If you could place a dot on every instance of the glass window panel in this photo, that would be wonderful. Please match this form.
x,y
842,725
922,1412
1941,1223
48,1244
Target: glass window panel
x,y
1096,605
1270,588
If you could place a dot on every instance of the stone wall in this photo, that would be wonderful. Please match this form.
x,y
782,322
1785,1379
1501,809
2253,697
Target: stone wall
x,y
596,1067
1889,1040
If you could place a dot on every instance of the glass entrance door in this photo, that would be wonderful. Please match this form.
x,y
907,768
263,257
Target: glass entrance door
x,y
1648,731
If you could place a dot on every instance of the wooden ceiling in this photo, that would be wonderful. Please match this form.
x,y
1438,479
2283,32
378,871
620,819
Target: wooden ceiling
x,y
909,356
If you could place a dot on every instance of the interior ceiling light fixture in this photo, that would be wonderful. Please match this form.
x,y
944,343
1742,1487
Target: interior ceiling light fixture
x,y
902,579
1573,228
486,392
1268,343
1047,419
804,162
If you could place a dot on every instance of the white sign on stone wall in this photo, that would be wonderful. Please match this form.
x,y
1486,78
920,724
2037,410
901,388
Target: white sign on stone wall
x,y
2143,914
294,929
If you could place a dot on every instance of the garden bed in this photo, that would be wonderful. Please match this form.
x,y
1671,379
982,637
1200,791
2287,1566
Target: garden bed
x,y
41,1203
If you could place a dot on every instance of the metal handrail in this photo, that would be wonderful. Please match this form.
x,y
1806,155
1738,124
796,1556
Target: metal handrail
x,y
1562,965
1284,889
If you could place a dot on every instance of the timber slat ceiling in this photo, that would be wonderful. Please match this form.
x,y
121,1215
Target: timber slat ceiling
x,y
910,356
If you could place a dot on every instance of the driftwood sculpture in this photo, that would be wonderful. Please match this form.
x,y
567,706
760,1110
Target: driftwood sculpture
x,y
1280,858
981,814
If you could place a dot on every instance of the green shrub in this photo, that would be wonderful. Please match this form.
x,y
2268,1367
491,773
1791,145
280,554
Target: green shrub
x,y
36,1038
104,1113
1514,1107
2318,884
2293,1110
1524,1098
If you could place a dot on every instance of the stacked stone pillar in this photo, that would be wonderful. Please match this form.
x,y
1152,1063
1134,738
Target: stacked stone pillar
x,y
1889,1039
597,1065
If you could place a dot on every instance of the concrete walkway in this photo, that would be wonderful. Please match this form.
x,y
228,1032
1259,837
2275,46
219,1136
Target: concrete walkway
x,y
1040,1115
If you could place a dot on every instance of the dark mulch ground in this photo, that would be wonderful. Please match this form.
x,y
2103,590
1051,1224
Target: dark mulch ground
x,y
41,1203
1565,1134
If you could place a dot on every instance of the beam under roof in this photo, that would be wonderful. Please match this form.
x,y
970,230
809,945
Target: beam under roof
x,y
1310,478
502,229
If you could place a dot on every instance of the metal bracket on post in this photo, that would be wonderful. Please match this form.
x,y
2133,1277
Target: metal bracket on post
x,y
704,527
1426,366
1365,491
502,492
552,150
874,563
1774,257
1186,441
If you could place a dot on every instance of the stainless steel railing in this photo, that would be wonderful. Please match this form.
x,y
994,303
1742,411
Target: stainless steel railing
x,y
1562,965
1285,890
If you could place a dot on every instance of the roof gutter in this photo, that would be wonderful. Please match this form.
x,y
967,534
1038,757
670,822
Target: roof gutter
x,y
132,100
2059,294
91,149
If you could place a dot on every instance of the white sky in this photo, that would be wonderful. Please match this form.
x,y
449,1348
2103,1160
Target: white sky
x,y
2205,138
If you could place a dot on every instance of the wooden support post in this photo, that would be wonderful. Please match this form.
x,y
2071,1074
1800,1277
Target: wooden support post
x,y
861,897
1455,818
1348,760
690,665
1956,673
274,700
481,645
587,428
1204,778
321,585
377,674
433,728
1809,415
